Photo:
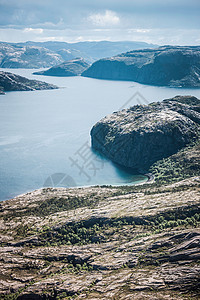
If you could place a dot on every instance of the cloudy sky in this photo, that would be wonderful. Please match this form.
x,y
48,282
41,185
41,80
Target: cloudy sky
x,y
154,21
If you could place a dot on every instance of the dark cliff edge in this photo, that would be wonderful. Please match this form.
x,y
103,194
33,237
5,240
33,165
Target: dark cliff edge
x,y
165,66
144,134
72,67
12,82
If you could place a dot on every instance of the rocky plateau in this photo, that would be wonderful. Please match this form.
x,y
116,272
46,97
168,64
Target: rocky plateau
x,y
139,242
164,66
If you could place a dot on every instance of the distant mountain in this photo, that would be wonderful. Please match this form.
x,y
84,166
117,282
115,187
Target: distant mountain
x,y
164,66
66,51
92,51
72,67
13,82
19,56
48,54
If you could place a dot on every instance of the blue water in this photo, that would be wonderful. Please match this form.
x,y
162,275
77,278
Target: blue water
x,y
45,135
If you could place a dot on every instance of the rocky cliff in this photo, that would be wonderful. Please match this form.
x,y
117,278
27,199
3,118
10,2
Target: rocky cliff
x,y
13,82
164,66
141,135
72,67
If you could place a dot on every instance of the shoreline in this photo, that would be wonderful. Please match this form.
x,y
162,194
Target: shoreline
x,y
150,176
150,179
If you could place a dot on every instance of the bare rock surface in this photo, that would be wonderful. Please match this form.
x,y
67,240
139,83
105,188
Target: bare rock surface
x,y
139,242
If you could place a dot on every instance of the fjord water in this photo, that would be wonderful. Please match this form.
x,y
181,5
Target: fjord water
x,y
45,135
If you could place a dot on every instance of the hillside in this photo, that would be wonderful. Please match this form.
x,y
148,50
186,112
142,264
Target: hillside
x,y
92,51
12,82
164,66
72,67
20,56
48,54
102,243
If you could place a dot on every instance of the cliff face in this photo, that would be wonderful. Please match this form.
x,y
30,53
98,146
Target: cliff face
x,y
139,136
164,66
13,82
72,67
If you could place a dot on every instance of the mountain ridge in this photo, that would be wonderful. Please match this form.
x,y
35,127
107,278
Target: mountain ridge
x,y
177,66
47,54
73,67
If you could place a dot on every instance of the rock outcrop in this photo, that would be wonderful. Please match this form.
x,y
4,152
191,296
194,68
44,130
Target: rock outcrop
x,y
164,66
72,67
141,135
13,82
102,243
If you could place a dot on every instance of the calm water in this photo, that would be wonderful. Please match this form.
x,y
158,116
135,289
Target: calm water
x,y
45,135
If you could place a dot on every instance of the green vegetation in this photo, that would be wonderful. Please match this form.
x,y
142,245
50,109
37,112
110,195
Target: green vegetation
x,y
99,230
14,296
182,165
54,205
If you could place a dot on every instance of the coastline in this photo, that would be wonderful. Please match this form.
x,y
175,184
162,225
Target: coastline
x,y
150,176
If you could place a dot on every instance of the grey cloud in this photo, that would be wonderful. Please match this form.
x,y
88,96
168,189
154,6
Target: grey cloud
x,y
76,19
154,13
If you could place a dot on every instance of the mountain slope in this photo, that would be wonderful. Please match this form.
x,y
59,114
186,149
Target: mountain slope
x,y
16,56
139,242
92,51
164,66
13,82
48,54
72,67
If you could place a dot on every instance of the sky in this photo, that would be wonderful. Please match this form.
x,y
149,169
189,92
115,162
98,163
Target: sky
x,y
160,22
